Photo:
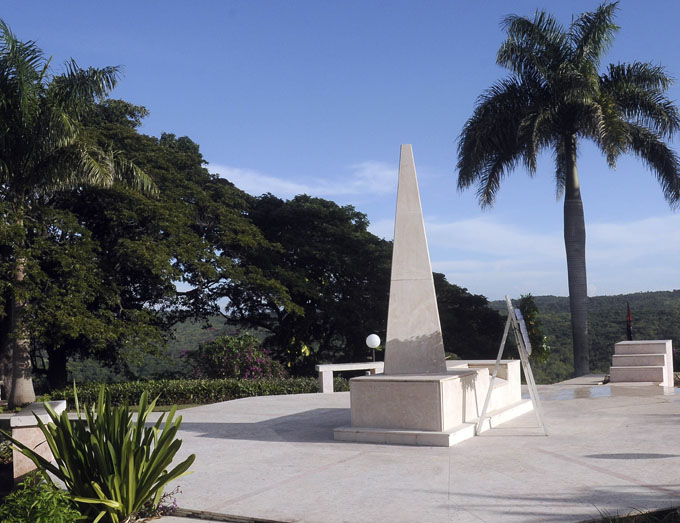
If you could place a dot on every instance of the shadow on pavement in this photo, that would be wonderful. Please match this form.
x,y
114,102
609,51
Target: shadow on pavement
x,y
314,425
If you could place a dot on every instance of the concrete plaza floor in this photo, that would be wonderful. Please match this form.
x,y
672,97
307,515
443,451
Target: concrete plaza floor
x,y
612,449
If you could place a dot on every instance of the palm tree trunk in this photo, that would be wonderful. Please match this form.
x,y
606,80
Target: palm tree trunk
x,y
22,391
575,245
6,328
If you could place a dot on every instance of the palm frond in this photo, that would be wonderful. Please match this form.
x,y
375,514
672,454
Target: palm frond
x,y
660,158
643,75
77,88
43,147
60,129
22,65
532,46
592,34
560,157
77,166
639,90
132,176
489,146
537,131
556,93
492,172
601,121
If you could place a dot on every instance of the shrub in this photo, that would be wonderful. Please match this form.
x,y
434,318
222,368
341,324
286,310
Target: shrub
x,y
5,452
235,357
183,392
38,501
539,342
111,465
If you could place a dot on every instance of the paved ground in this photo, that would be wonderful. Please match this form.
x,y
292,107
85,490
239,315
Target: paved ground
x,y
612,449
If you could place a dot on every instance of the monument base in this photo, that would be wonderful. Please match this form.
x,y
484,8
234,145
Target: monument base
x,y
432,409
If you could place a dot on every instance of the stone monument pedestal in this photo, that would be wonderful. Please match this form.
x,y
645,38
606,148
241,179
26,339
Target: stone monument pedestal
x,y
431,409
421,399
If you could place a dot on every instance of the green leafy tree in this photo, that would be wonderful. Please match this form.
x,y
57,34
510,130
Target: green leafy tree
x,y
470,328
158,262
43,151
337,276
555,97
540,350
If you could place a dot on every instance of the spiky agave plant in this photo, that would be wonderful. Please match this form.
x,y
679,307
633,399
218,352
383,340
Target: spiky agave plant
x,y
111,464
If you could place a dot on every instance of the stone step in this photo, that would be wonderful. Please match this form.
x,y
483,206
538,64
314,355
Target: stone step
x,y
638,360
640,347
636,373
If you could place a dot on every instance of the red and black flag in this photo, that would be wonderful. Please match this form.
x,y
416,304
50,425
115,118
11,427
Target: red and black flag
x,y
629,325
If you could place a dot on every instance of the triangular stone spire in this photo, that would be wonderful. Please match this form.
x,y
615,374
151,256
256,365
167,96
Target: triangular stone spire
x,y
414,337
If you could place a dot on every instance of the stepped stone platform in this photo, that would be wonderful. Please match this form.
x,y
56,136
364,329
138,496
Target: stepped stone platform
x,y
611,449
643,361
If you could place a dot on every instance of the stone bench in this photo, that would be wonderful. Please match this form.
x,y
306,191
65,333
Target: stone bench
x,y
26,430
326,371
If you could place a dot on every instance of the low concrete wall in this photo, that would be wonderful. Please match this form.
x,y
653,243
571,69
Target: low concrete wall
x,y
26,430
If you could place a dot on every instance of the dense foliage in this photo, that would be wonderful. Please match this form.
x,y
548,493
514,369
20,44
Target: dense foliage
x,y
187,392
38,501
470,328
337,274
45,151
195,235
540,349
235,356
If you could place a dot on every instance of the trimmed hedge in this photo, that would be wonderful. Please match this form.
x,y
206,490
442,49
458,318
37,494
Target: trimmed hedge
x,y
182,392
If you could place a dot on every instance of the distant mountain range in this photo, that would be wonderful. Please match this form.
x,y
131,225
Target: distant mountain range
x,y
656,315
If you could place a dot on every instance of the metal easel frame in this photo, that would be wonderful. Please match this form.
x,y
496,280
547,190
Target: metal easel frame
x,y
524,348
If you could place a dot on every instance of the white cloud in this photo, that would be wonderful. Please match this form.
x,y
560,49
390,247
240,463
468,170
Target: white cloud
x,y
487,236
493,258
636,256
646,240
365,178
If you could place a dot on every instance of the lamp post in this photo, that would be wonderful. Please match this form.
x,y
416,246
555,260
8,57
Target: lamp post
x,y
373,342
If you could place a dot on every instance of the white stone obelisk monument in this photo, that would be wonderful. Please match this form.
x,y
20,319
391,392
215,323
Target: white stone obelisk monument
x,y
418,400
414,338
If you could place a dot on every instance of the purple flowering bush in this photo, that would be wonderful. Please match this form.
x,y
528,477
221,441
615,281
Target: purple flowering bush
x,y
235,356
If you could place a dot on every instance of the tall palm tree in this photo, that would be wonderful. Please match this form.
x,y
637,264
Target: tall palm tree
x,y
43,150
554,97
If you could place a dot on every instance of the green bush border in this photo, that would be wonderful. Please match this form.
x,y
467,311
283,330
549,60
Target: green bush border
x,y
183,392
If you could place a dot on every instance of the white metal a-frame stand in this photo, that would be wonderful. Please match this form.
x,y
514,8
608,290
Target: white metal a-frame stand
x,y
524,347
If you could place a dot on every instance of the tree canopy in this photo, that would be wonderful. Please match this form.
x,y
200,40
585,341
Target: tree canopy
x,y
43,152
109,238
554,97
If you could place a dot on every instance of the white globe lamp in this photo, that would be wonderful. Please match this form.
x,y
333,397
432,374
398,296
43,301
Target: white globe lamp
x,y
373,342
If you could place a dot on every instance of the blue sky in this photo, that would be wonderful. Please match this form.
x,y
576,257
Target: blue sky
x,y
316,97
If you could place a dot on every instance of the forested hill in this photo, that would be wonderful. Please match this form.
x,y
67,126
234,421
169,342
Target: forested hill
x,y
642,301
656,315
